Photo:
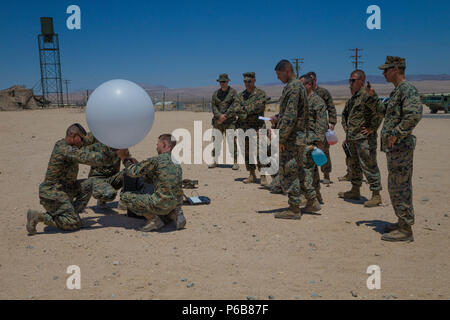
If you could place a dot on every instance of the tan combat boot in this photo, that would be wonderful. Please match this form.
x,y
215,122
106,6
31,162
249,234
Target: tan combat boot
x,y
326,179
177,216
263,181
319,197
352,194
303,200
391,227
292,213
375,201
251,178
153,222
312,205
33,218
235,166
403,233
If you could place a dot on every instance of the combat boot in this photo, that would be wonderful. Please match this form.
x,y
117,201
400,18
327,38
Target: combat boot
x,y
403,233
319,197
251,178
276,190
153,223
326,179
33,218
292,213
263,181
303,201
312,205
375,201
177,216
235,166
391,227
212,165
344,178
352,194
122,205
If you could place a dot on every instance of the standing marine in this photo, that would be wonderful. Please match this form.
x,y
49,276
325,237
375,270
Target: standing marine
x,y
252,104
224,103
401,115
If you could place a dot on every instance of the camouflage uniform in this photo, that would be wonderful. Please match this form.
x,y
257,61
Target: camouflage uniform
x,y
166,178
401,115
332,118
292,134
250,106
317,126
106,179
358,113
226,105
61,194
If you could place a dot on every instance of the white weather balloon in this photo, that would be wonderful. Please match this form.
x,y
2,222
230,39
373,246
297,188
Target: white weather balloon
x,y
119,113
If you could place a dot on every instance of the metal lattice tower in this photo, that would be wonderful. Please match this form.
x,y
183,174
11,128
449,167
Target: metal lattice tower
x,y
49,58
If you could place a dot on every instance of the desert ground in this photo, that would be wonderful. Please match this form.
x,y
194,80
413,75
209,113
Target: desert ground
x,y
230,249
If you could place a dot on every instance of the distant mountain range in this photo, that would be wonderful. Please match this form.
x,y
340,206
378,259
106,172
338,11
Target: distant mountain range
x,y
425,83
410,77
380,79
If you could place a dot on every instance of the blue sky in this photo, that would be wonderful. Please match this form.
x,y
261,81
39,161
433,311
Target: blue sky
x,y
188,43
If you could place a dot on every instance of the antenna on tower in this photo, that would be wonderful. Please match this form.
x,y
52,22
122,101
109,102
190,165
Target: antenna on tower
x,y
50,62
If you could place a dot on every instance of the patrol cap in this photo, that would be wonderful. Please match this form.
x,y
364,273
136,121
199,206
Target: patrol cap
x,y
393,62
223,77
248,76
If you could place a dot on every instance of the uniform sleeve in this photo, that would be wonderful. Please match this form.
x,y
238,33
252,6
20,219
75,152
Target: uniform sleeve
x,y
234,106
288,120
411,112
331,109
142,168
86,155
256,105
89,139
322,119
378,107
318,121
239,107
215,107
344,117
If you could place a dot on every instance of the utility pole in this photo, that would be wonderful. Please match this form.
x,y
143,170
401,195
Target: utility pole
x,y
67,91
356,62
164,99
298,62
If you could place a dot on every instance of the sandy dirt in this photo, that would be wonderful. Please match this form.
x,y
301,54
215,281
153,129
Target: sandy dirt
x,y
231,249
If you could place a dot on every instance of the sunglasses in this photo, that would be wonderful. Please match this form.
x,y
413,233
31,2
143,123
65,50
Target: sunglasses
x,y
247,81
353,80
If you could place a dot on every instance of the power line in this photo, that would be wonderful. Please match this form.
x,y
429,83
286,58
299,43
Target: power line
x,y
298,62
356,62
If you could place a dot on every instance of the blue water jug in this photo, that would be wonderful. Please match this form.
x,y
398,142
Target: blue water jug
x,y
319,157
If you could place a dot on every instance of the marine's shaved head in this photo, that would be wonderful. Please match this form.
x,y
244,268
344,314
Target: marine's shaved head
x,y
75,128
284,65
361,74
171,141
